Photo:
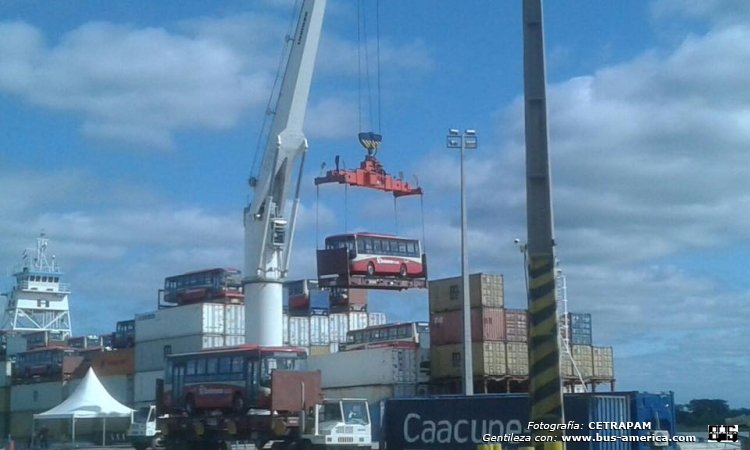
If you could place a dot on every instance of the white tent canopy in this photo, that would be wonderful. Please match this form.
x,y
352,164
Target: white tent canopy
x,y
90,400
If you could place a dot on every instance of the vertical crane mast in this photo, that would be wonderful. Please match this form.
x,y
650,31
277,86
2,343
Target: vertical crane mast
x,y
267,241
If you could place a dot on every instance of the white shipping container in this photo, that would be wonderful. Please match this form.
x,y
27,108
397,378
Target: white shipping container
x,y
149,355
367,367
144,385
199,318
339,325
36,397
299,331
319,330
285,329
357,320
375,318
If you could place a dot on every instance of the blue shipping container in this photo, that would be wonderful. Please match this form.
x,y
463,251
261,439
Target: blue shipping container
x,y
458,422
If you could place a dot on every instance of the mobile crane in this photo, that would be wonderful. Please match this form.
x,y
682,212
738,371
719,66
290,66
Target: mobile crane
x,y
268,234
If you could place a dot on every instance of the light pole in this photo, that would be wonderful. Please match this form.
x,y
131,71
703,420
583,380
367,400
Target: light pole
x,y
463,142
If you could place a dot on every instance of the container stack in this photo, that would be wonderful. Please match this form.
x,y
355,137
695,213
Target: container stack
x,y
487,322
500,340
322,334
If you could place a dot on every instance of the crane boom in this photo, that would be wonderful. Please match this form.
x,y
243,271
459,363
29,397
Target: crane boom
x,y
267,242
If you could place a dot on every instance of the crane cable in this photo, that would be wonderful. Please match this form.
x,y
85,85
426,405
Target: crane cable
x,y
364,78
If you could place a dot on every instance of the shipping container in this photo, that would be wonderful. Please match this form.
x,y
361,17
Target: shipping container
x,y
14,344
285,328
488,360
487,324
583,359
656,408
37,397
388,365
484,290
144,386
517,357
190,320
108,363
516,325
579,328
459,422
299,331
358,320
339,325
149,355
603,363
320,330
376,318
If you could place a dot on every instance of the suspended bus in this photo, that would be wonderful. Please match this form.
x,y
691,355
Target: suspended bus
x,y
232,379
372,260
203,285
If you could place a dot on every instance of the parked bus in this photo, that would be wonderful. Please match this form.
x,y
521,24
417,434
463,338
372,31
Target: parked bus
x,y
124,336
227,378
380,255
204,285
41,362
412,332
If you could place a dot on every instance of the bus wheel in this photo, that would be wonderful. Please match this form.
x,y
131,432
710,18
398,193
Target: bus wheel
x,y
238,403
370,269
402,271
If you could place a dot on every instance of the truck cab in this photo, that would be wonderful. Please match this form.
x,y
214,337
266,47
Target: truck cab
x,y
143,430
338,423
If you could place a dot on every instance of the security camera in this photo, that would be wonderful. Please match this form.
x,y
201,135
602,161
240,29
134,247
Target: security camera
x,y
516,241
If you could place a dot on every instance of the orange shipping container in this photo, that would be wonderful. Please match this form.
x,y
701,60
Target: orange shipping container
x,y
487,324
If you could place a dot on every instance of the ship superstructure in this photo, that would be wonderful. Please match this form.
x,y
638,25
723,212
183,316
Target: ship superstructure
x,y
39,301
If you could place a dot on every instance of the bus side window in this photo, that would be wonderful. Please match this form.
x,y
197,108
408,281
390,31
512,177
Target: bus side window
x,y
361,245
368,245
225,364
377,246
190,370
237,364
212,366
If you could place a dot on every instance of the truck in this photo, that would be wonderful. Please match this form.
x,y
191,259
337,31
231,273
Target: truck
x,y
247,397
336,424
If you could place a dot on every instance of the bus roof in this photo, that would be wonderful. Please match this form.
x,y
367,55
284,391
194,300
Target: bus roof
x,y
368,234
240,348
215,269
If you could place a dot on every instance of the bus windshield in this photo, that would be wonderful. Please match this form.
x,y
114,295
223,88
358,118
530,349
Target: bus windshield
x,y
271,363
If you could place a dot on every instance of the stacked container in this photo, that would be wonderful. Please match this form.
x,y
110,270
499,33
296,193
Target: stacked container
x,y
487,326
579,329
517,357
516,325
603,363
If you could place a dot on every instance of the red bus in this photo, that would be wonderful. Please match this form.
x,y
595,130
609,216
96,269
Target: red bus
x,y
41,362
203,285
380,255
227,378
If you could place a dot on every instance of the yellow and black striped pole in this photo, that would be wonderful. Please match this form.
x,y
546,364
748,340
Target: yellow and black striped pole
x,y
545,389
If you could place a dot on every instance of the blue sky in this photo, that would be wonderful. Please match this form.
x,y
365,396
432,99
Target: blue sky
x,y
129,130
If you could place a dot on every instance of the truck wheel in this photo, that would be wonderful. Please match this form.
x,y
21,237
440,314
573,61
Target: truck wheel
x,y
140,446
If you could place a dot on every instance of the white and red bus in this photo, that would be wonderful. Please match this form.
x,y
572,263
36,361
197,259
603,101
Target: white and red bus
x,y
380,254
203,285
390,333
227,378
41,362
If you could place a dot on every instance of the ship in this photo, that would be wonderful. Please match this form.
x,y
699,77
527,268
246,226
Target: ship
x,y
39,300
